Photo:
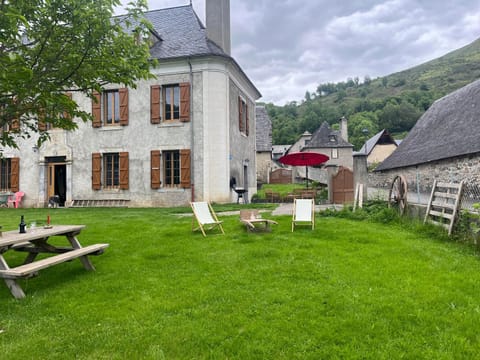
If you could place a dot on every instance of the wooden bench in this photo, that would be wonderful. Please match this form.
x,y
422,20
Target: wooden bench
x,y
30,269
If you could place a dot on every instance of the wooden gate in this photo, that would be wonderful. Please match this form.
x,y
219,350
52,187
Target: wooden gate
x,y
342,186
281,176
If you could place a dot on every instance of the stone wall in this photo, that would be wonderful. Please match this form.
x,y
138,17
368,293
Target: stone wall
x,y
421,177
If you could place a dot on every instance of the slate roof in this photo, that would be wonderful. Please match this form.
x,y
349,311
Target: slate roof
x,y
382,137
450,128
263,129
181,34
322,138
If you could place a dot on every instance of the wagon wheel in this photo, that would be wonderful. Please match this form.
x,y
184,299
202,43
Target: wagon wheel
x,y
397,197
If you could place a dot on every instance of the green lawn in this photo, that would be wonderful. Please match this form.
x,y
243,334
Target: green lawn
x,y
347,290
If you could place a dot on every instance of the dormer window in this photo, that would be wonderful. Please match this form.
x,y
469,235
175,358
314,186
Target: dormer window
x,y
332,138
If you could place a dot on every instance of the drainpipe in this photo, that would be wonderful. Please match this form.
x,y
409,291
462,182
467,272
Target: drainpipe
x,y
192,123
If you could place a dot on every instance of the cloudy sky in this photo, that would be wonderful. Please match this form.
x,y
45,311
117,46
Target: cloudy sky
x,y
288,47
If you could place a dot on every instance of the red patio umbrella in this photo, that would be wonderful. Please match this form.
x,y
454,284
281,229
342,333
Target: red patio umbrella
x,y
304,159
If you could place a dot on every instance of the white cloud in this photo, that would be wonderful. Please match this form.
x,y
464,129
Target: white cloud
x,y
288,47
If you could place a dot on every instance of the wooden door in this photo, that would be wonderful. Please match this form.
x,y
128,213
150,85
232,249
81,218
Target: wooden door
x,y
342,184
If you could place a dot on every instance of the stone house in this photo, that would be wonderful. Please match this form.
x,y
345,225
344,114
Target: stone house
x,y
443,144
264,144
326,141
378,147
174,139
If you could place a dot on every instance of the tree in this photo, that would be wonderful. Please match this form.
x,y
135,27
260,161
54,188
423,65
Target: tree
x,y
49,48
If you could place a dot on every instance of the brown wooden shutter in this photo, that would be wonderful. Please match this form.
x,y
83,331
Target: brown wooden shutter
x,y
246,119
123,95
96,171
15,125
65,114
240,112
155,157
42,125
155,91
185,168
185,102
124,170
15,174
97,110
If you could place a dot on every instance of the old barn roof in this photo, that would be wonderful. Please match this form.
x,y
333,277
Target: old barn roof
x,y
450,128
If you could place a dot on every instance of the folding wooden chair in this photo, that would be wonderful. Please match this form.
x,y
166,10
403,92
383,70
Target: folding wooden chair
x,y
205,216
303,213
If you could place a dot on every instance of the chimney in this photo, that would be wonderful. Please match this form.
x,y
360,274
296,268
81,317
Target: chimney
x,y
344,128
217,16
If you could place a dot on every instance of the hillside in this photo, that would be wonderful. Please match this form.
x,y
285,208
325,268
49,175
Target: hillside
x,y
394,102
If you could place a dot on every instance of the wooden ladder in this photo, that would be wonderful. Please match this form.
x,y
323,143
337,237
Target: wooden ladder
x,y
443,205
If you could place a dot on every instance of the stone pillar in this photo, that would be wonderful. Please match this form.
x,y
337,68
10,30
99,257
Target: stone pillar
x,y
331,171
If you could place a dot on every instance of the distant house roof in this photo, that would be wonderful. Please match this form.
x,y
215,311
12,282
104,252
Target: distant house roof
x,y
450,128
263,128
325,137
181,34
280,150
382,137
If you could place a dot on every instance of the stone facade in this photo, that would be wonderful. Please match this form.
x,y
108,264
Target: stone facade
x,y
421,177
218,150
148,158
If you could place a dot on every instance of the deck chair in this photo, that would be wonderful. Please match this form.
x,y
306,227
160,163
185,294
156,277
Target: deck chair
x,y
254,221
205,216
303,213
16,199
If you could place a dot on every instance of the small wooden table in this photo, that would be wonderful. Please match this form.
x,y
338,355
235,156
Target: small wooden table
x,y
35,242
252,218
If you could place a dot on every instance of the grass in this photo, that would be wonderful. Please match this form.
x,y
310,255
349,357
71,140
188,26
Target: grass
x,y
347,290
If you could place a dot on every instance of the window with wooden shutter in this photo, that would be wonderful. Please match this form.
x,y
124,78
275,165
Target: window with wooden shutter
x,y
42,125
155,158
124,170
185,171
242,116
96,171
66,115
15,125
9,174
171,102
155,92
15,174
123,106
97,110
185,102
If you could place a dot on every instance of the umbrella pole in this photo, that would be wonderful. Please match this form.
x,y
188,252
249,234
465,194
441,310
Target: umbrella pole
x,y
306,171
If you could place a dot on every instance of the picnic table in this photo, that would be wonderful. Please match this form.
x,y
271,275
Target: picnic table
x,y
36,242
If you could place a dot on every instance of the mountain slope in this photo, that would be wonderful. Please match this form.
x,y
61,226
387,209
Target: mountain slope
x,y
393,102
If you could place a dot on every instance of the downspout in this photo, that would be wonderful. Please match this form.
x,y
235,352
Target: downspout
x,y
192,123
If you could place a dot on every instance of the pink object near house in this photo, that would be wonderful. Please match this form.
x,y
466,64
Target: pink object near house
x,y
16,199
